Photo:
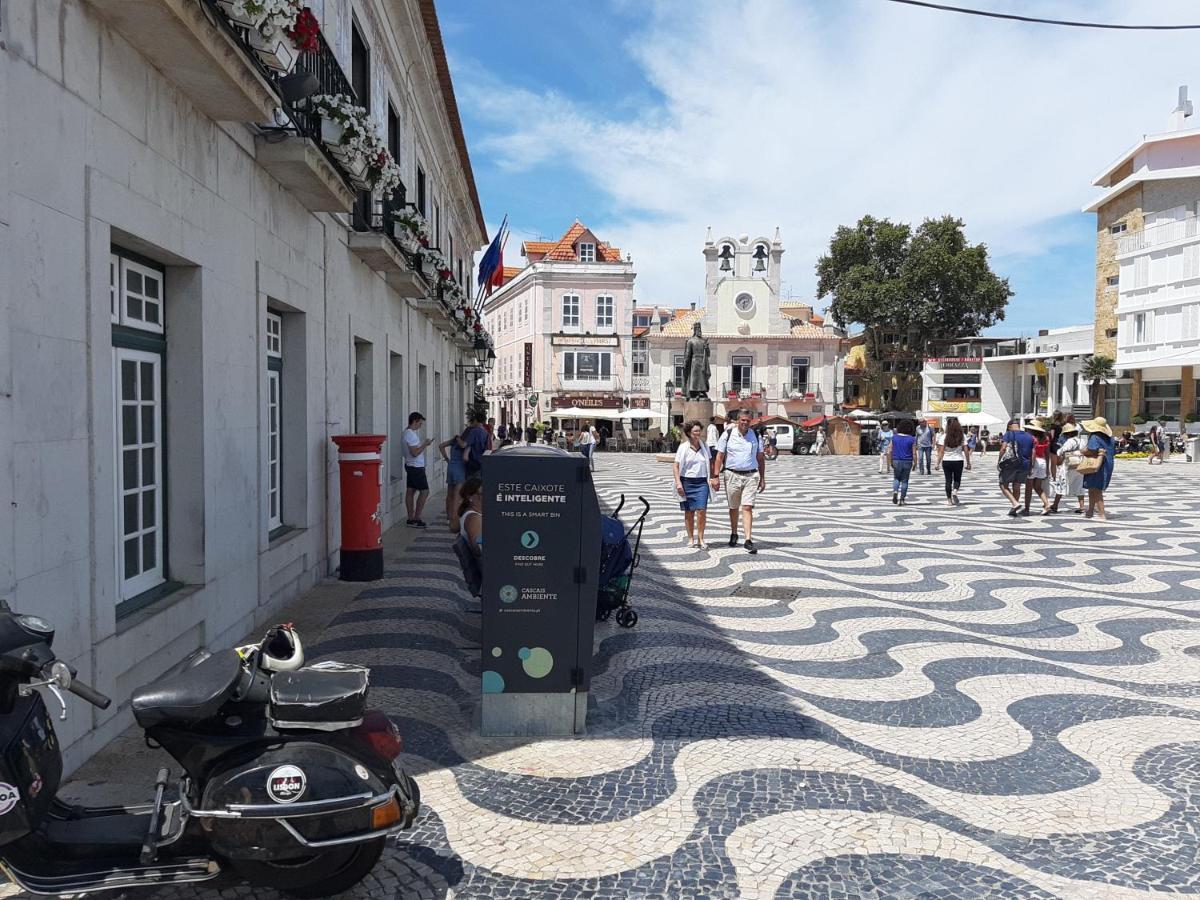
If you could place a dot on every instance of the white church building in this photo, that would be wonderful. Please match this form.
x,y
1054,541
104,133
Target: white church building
x,y
769,354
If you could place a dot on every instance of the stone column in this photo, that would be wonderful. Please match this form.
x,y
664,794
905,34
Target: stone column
x,y
1187,395
1135,396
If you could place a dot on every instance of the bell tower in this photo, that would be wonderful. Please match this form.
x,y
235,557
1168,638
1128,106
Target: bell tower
x,y
741,283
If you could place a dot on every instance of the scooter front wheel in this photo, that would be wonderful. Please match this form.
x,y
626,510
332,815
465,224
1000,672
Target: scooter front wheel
x,y
321,874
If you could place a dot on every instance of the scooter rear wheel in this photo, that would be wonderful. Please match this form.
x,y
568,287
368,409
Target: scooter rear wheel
x,y
321,874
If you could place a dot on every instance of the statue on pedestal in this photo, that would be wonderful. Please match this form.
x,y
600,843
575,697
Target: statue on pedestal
x,y
696,370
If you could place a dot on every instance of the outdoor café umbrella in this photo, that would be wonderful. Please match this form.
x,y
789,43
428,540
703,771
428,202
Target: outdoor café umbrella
x,y
981,419
643,414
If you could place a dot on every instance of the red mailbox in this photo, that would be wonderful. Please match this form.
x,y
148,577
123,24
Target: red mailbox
x,y
359,459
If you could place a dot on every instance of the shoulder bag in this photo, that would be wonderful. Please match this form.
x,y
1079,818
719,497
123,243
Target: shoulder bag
x,y
1090,465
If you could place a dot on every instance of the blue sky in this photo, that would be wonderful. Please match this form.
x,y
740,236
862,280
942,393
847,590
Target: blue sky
x,y
651,121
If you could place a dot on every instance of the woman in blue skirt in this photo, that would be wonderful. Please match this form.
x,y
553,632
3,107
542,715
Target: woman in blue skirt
x,y
691,482
1099,443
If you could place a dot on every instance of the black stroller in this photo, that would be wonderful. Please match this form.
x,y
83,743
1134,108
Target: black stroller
x,y
618,559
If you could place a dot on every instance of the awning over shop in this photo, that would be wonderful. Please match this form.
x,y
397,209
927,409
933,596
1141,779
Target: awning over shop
x,y
813,422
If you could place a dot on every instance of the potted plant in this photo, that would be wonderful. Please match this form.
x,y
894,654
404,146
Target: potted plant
x,y
248,13
345,127
675,436
286,30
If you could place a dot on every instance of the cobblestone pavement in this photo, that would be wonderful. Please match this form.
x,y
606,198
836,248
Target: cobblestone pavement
x,y
884,702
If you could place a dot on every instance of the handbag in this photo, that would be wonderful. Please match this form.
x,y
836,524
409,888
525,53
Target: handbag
x,y
1090,465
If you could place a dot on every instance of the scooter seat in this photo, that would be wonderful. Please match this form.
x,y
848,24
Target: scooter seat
x,y
192,695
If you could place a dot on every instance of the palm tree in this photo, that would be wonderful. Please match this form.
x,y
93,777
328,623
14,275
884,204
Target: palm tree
x,y
1097,369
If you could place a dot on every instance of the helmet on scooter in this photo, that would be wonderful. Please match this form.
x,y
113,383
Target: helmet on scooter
x,y
281,650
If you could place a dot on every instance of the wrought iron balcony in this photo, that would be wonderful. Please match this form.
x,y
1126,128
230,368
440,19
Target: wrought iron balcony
x,y
799,391
743,390
576,382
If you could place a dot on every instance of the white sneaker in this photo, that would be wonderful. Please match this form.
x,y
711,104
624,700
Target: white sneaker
x,y
700,545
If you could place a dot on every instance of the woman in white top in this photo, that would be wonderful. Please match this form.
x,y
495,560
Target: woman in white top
x,y
470,514
691,482
1070,454
952,455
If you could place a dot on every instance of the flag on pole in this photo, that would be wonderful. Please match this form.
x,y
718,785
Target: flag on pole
x,y
491,267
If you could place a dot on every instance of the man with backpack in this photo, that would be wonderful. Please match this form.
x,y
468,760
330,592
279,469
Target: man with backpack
x,y
740,456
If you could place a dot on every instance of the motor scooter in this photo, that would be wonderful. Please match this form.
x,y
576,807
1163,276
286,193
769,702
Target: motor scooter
x,y
288,780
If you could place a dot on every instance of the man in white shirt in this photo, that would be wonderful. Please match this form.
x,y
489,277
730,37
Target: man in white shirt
x,y
416,483
740,456
711,437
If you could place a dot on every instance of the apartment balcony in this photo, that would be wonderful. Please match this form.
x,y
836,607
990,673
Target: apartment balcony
x,y
639,384
1159,236
798,392
750,391
603,383
193,45
383,245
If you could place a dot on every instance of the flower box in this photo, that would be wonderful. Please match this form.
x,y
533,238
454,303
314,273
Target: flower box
x,y
277,52
237,13
356,170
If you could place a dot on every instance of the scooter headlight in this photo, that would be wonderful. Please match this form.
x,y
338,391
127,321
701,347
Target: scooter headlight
x,y
35,625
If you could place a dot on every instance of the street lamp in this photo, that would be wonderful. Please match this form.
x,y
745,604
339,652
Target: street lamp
x,y
670,391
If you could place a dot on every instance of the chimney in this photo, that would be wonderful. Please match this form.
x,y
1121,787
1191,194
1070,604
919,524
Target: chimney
x,y
1181,116
693,304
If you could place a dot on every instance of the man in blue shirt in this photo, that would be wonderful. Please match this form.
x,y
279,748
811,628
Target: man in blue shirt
x,y
1016,459
740,456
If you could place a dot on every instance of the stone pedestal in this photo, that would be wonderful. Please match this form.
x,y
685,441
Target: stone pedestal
x,y
698,410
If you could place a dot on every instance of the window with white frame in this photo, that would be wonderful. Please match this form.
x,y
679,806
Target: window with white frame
x,y
1118,228
799,378
586,365
570,311
640,356
678,366
274,429
1139,328
742,372
604,311
641,320
136,304
1112,280
587,252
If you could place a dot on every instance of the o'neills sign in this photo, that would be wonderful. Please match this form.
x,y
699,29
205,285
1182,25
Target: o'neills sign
x,y
591,401
954,362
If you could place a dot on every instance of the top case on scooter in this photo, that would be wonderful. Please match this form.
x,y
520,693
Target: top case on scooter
x,y
328,696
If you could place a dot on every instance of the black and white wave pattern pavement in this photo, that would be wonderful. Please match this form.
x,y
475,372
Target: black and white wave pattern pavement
x,y
883,702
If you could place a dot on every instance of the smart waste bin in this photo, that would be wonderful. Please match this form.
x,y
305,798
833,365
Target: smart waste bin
x,y
541,556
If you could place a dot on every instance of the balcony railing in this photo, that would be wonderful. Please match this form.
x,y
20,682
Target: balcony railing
x,y
639,384
1156,235
565,382
322,65
743,390
798,390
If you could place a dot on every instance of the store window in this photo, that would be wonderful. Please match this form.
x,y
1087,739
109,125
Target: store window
x,y
1161,399
1116,402
137,306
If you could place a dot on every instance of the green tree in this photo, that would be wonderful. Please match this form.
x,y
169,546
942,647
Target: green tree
x,y
1098,369
925,285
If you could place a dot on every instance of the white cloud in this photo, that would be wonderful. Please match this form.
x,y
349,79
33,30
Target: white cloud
x,y
807,116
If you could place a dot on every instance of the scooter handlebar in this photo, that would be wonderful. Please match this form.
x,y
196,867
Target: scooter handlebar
x,y
89,693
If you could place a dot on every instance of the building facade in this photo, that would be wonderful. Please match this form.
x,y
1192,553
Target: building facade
x,y
768,354
199,285
562,330
1148,273
1008,377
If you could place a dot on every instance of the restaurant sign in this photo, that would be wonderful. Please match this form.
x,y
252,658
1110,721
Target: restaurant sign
x,y
639,402
585,340
955,406
954,362
586,401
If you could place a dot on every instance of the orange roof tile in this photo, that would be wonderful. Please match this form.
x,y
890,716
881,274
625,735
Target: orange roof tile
x,y
681,325
511,272
564,247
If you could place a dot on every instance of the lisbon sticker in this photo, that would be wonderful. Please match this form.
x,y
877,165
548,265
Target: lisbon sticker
x,y
8,798
286,784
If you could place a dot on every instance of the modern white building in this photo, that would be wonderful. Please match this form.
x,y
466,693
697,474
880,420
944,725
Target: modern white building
x,y
1148,272
1008,377
561,326
769,354
196,292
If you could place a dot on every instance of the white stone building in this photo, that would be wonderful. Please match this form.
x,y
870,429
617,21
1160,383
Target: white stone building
x,y
1148,262
193,299
1008,377
561,326
768,354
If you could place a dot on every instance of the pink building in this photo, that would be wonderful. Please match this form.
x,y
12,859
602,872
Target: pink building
x,y
562,330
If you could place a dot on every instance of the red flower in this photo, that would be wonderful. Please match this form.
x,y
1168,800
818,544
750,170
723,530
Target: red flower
x,y
424,241
444,274
468,315
478,327
304,32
